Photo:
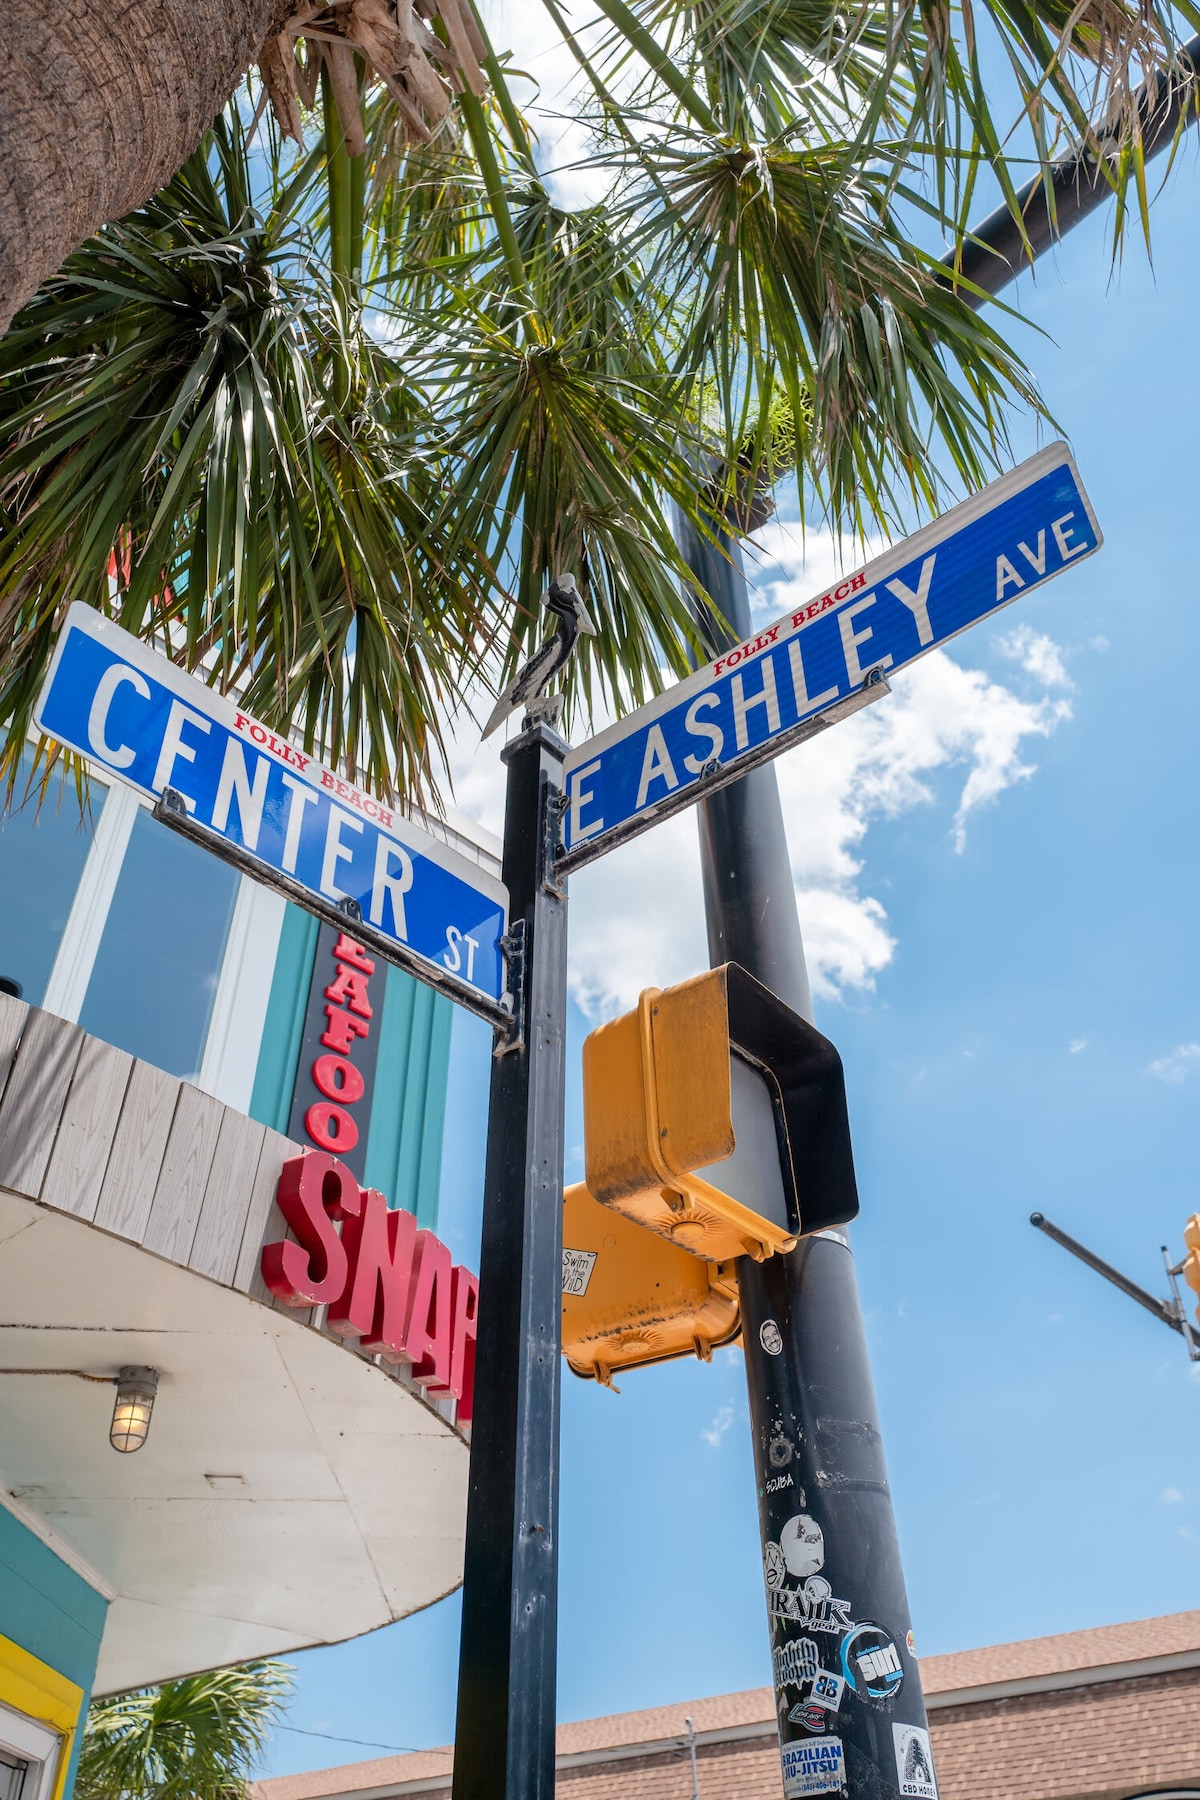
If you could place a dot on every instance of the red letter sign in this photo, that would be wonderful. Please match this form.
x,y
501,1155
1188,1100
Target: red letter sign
x,y
385,1282
379,1244
313,1191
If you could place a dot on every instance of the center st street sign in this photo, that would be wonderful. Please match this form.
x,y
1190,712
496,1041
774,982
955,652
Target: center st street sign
x,y
257,800
829,657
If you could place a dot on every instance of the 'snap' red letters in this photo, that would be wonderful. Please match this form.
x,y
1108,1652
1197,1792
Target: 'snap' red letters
x,y
314,1190
374,1304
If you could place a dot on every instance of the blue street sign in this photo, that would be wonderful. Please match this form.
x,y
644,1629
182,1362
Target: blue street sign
x,y
829,657
275,811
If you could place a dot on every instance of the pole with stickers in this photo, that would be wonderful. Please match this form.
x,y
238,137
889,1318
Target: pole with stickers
x,y
847,1687
763,1194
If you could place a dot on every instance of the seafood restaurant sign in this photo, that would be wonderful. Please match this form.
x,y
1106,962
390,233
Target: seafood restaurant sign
x,y
828,657
381,1279
258,800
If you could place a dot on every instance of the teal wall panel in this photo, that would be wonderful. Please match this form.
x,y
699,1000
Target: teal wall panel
x,y
51,1612
46,1607
271,1101
404,1149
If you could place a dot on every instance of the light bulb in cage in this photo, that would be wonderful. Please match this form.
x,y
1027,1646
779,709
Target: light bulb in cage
x,y
136,1388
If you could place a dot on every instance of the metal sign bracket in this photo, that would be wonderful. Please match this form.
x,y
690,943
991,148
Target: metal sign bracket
x,y
511,1035
171,809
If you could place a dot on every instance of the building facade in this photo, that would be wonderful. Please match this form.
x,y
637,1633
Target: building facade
x,y
157,1061
1109,1714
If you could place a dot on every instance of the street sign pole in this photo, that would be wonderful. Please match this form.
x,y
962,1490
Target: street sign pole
x,y
817,1448
504,1741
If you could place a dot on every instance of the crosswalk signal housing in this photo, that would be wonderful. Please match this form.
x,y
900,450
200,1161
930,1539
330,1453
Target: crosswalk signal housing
x,y
631,1298
1191,1262
716,1117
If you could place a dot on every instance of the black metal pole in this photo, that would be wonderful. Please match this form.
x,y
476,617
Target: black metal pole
x,y
504,1739
1162,1309
834,1582
995,253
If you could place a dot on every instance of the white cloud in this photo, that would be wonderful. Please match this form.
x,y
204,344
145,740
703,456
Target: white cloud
x,y
1171,1496
715,1431
554,93
637,915
1076,1045
1037,654
1177,1065
786,566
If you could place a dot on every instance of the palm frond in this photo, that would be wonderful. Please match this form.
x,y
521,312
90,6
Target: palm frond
x,y
194,1739
203,439
570,432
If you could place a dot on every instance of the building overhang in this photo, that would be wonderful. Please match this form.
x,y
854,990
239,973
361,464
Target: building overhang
x,y
291,1491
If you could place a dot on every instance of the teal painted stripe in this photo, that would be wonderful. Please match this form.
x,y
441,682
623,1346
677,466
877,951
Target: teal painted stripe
x,y
47,1608
279,1052
404,1149
433,1123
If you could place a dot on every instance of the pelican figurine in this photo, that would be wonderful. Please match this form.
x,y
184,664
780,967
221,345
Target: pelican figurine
x,y
527,686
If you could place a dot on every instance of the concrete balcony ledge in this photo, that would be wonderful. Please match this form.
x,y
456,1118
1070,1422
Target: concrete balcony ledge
x,y
292,1491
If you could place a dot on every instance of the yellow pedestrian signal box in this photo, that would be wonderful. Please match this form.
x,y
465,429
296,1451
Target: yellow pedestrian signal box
x,y
1191,1262
630,1298
716,1117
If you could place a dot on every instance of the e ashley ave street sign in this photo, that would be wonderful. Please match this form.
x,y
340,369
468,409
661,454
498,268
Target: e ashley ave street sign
x,y
826,658
284,818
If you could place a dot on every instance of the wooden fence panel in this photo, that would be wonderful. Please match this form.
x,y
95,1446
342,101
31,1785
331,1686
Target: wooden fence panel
x,y
87,1129
33,1100
137,1153
227,1198
183,1178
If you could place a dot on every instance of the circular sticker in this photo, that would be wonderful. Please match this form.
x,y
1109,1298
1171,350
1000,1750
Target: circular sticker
x,y
871,1663
779,1452
911,1641
770,1337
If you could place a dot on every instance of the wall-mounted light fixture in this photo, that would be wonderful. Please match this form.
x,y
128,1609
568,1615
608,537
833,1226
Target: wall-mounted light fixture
x,y
136,1388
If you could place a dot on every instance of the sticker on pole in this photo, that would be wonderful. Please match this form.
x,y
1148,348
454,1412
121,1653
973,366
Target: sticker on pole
x,y
827,658
277,813
914,1762
813,1766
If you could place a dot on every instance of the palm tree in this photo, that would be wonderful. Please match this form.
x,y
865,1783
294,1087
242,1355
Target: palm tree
x,y
196,1739
100,105
323,419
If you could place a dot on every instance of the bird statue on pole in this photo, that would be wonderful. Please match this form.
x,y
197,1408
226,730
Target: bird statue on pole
x,y
530,682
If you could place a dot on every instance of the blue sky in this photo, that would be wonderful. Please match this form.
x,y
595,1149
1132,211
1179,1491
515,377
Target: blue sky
x,y
1017,1002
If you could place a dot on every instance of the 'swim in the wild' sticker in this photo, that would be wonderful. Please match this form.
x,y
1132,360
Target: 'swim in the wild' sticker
x,y
914,1763
577,1266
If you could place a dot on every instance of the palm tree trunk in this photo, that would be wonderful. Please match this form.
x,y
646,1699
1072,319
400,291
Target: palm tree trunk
x,y
101,101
